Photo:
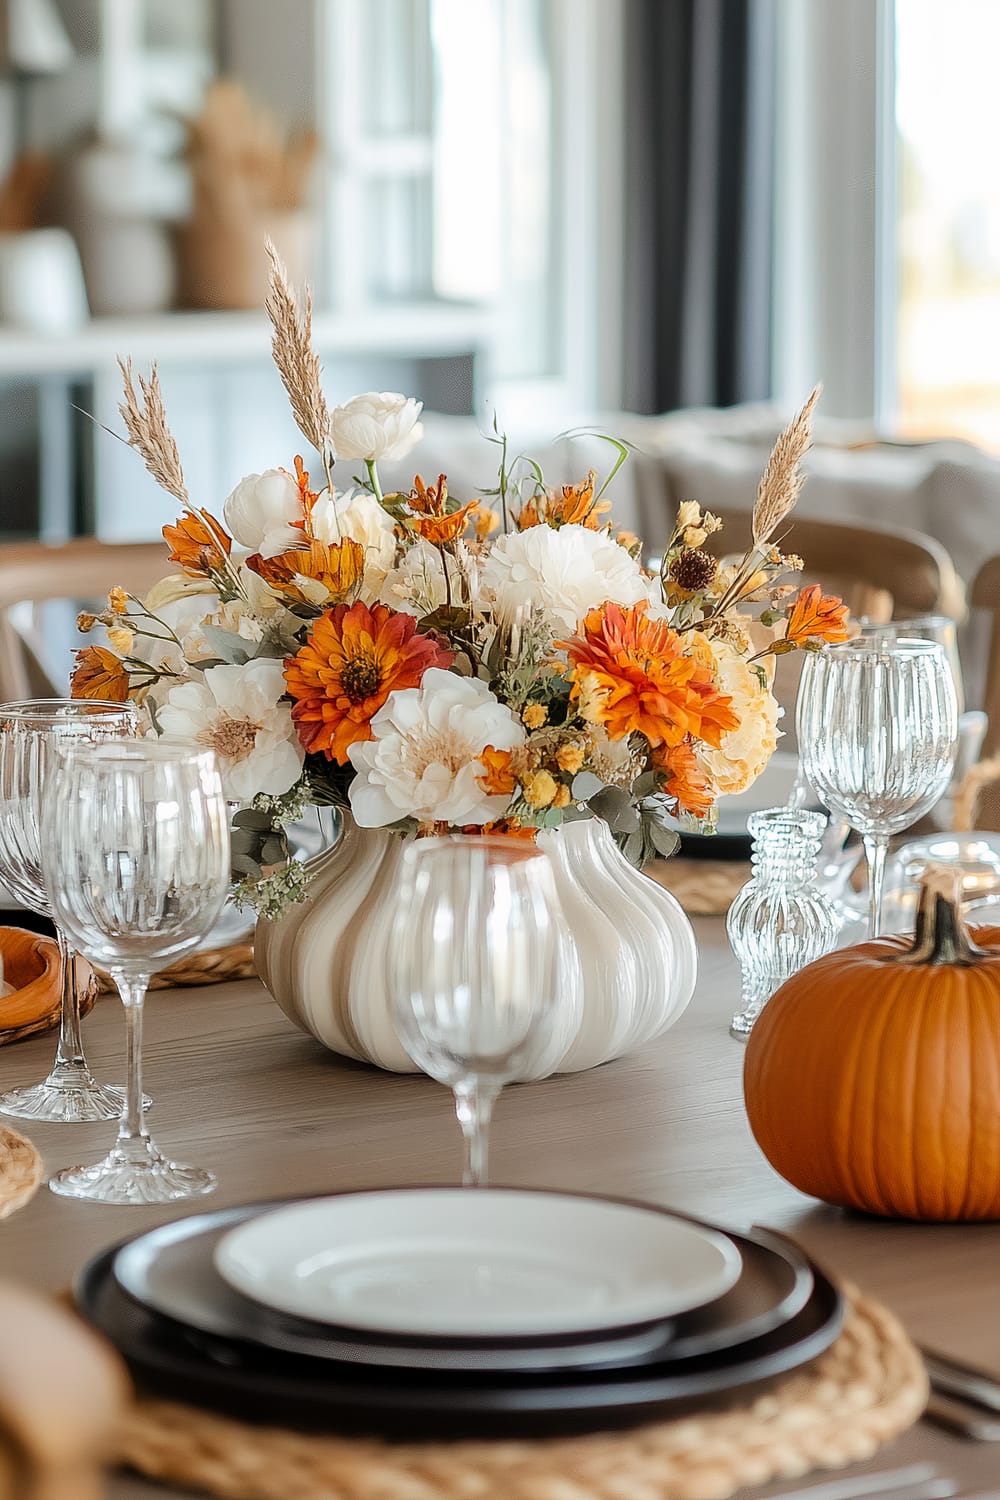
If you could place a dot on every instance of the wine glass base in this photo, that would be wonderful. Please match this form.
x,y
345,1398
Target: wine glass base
x,y
71,1095
138,1176
741,1026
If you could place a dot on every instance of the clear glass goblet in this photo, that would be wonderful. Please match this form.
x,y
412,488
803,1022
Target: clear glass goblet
x,y
30,733
878,730
473,969
135,848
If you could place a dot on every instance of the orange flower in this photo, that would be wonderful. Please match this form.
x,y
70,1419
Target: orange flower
x,y
428,499
634,676
355,657
99,673
336,567
573,506
198,543
499,779
509,828
684,779
815,616
307,496
439,530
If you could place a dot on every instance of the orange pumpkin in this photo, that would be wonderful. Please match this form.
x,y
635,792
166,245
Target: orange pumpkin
x,y
872,1077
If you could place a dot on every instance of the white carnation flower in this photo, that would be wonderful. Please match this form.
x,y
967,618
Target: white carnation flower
x,y
238,712
416,586
563,572
356,516
379,424
260,512
422,761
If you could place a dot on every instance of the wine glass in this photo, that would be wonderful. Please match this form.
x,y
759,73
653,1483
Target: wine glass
x,y
30,732
135,848
473,969
878,730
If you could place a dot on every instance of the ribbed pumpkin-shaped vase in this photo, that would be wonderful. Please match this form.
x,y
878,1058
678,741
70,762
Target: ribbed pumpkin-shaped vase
x,y
629,958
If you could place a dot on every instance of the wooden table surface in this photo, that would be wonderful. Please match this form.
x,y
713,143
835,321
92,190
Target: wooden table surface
x,y
239,1089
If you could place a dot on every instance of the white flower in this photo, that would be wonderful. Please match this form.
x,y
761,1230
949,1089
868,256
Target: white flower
x,y
564,572
416,586
356,516
181,604
260,512
745,751
379,424
422,762
239,713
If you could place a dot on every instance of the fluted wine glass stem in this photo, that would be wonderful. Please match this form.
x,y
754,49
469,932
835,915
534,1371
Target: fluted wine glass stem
x,y
876,845
69,1051
474,1108
132,1129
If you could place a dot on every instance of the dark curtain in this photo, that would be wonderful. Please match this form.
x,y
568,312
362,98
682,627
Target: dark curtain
x,y
699,190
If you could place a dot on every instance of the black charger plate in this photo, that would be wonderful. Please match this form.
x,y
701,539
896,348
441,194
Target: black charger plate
x,y
170,1271
314,1394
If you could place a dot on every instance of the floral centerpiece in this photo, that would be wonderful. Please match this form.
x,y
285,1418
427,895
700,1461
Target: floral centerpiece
x,y
502,663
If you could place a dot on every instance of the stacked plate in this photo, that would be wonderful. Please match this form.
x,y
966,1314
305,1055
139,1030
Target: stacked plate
x,y
440,1311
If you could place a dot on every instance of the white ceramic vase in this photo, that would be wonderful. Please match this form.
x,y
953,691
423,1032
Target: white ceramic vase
x,y
629,956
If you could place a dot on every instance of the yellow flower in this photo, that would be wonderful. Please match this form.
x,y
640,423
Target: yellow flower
x,y
694,536
744,751
485,521
592,696
562,797
121,640
540,790
688,514
534,715
569,758
628,540
85,622
118,600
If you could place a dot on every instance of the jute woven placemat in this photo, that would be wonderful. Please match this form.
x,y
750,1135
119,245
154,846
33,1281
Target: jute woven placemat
x,y
869,1387
234,962
21,1171
704,887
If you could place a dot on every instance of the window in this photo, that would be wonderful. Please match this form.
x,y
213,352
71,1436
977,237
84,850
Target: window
x,y
947,116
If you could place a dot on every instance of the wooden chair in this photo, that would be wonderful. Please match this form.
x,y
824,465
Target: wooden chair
x,y
879,572
983,785
32,573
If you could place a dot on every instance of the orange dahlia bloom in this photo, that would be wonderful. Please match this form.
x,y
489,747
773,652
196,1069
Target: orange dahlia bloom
x,y
684,779
99,673
815,616
631,674
354,658
337,566
573,506
198,543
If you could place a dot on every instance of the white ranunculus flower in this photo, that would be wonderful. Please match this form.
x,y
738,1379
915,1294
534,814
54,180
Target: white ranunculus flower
x,y
563,572
379,424
745,751
422,760
417,585
260,512
356,515
238,713
181,603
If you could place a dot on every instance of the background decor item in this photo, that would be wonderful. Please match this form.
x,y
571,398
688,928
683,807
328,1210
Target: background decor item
x,y
780,921
872,1076
633,975
248,182
41,283
31,967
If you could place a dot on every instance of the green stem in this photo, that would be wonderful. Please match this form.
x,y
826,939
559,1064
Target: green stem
x,y
373,479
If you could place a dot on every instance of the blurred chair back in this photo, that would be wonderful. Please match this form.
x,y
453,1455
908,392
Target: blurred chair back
x,y
32,574
985,596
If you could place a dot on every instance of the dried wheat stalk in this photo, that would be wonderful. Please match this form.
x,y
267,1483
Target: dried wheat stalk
x,y
781,482
148,433
293,354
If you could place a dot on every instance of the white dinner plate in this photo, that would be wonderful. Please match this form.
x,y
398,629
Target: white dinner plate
x,y
468,1263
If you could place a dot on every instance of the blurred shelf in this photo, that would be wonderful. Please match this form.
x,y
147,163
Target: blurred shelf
x,y
423,330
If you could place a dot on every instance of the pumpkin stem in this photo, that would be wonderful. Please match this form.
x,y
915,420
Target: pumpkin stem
x,y
941,936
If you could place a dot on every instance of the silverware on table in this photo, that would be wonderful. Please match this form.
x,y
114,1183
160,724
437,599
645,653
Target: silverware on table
x,y
962,1382
915,1482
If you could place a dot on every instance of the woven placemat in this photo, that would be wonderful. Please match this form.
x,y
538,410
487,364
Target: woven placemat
x,y
21,1171
234,962
704,887
869,1387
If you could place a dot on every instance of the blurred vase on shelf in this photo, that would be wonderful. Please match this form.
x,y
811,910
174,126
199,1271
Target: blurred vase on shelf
x,y
780,921
249,182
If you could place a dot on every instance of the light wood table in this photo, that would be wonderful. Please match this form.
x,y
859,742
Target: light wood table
x,y
239,1089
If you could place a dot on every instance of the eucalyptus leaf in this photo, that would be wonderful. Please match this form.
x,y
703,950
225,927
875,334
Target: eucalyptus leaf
x,y
586,785
644,785
664,840
242,864
632,848
273,851
232,649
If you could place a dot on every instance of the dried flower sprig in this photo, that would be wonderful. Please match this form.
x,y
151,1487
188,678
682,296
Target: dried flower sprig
x,y
148,433
296,360
782,480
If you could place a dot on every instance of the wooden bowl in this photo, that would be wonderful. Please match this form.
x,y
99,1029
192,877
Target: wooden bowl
x,y
31,964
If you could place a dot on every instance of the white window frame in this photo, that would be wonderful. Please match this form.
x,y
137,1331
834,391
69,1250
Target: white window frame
x,y
835,211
